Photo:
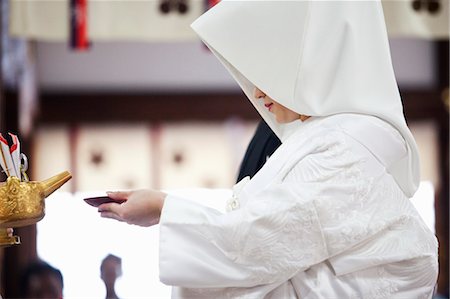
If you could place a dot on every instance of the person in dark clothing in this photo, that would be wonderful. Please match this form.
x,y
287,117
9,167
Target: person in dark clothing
x,y
111,269
40,280
264,142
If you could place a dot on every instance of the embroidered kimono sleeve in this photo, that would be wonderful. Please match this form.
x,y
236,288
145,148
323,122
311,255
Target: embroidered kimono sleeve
x,y
275,234
261,243
322,207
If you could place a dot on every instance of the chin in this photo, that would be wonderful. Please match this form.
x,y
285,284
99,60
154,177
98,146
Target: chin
x,y
281,121
284,120
280,118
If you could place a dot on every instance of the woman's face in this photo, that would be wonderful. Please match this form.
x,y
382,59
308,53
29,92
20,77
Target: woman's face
x,y
282,114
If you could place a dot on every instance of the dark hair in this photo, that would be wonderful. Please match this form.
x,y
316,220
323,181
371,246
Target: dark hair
x,y
37,268
111,257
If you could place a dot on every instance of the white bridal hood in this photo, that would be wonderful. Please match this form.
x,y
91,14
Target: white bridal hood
x,y
317,58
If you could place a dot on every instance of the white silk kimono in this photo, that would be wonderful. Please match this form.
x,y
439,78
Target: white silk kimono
x,y
328,216
322,219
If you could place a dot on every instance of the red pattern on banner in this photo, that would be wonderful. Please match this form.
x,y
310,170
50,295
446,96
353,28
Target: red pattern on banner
x,y
79,28
211,3
82,24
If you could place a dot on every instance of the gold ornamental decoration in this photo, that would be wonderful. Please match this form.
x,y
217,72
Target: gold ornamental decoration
x,y
22,202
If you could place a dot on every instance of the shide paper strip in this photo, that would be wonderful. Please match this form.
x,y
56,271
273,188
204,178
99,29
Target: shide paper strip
x,y
15,154
6,160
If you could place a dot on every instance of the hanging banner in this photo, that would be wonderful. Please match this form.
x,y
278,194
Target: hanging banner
x,y
78,25
210,3
178,6
162,20
428,19
107,20
28,89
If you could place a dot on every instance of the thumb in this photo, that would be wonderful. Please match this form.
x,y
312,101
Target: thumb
x,y
118,194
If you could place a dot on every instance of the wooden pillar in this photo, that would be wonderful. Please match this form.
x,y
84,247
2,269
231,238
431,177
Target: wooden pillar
x,y
442,194
2,100
16,257
2,125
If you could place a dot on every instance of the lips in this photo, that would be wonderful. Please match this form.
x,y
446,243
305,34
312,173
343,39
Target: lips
x,y
269,106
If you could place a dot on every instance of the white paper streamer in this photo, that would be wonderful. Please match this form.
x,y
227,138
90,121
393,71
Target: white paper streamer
x,y
3,162
15,154
6,159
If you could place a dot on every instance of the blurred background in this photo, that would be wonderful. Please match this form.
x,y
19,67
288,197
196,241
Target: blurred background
x,y
124,95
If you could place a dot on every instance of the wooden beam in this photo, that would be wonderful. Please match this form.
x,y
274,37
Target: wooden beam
x,y
100,108
423,105
104,107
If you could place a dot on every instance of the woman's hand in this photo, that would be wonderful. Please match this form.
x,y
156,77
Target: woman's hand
x,y
142,207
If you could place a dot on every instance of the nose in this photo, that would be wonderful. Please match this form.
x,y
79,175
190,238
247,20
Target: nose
x,y
258,94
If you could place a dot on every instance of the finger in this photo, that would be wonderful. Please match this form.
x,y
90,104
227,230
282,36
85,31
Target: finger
x,y
118,194
9,232
109,207
111,216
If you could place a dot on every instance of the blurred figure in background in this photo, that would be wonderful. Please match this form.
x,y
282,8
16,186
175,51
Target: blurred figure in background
x,y
111,269
264,142
40,280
